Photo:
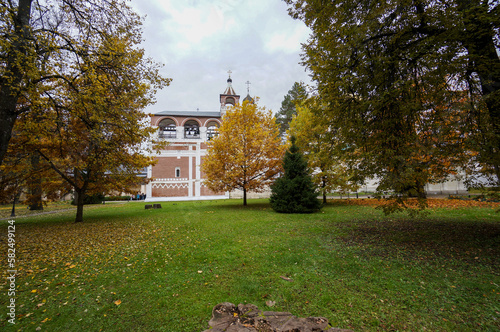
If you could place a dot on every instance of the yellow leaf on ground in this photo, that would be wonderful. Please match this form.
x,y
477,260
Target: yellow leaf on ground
x,y
118,302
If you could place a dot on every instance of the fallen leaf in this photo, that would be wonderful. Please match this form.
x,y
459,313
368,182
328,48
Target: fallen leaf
x,y
286,278
270,303
118,302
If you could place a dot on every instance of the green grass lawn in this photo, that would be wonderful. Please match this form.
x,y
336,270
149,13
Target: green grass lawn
x,y
130,269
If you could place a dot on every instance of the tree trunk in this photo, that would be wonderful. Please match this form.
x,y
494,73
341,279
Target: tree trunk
x,y
420,188
10,84
244,196
35,184
13,211
478,39
14,201
79,204
324,190
8,117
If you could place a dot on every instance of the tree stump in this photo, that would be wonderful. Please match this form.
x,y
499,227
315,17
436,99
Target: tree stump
x,y
226,317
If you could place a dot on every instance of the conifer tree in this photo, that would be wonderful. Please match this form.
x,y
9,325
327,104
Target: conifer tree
x,y
295,95
294,191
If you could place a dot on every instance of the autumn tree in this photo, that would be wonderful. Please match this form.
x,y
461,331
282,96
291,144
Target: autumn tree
x,y
92,130
317,141
41,41
389,72
23,174
288,109
247,152
13,177
294,191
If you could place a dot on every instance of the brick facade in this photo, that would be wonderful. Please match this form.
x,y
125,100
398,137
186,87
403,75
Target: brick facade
x,y
177,174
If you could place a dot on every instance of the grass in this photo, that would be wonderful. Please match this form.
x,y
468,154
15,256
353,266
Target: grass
x,y
22,209
130,269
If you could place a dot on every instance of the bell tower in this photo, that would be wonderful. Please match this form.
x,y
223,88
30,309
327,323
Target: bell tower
x,y
229,97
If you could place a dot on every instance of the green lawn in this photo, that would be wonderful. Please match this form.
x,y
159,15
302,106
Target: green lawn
x,y
130,269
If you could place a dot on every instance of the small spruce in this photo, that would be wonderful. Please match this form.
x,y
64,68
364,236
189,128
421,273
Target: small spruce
x,y
294,191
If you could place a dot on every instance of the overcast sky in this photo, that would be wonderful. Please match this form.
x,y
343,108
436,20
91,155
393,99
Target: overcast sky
x,y
198,41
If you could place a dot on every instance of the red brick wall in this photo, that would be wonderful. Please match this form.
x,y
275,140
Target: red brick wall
x,y
174,147
202,174
165,167
169,192
204,191
193,162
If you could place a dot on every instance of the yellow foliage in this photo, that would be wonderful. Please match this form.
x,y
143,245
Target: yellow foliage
x,y
317,141
247,154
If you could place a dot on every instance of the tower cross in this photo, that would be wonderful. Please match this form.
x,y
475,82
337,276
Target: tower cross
x,y
229,72
248,86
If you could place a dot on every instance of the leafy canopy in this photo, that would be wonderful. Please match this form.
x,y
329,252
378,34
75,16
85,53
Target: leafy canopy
x,y
408,86
88,125
317,140
46,44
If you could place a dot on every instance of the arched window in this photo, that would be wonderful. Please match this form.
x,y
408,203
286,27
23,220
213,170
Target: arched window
x,y
167,129
230,101
192,129
212,129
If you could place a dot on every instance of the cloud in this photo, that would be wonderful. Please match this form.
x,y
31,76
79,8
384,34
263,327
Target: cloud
x,y
199,40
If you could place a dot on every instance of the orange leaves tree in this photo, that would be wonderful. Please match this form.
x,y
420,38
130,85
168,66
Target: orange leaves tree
x,y
73,84
247,153
92,131
42,42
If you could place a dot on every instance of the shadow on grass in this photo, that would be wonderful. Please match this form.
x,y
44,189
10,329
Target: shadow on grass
x,y
251,206
432,239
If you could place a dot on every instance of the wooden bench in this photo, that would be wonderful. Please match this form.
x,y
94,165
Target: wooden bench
x,y
154,206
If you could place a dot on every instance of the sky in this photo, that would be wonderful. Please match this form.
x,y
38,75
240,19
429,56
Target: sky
x,y
199,41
